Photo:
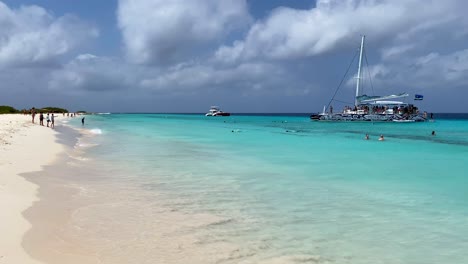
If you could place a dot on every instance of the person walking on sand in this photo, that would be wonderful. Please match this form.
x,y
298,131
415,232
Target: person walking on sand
x,y
82,121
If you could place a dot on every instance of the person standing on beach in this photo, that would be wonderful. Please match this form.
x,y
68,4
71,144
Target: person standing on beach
x,y
41,119
33,113
48,119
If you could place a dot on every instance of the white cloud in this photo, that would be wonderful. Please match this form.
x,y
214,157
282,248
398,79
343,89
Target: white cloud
x,y
31,36
450,69
199,76
161,32
396,51
180,50
227,54
430,71
88,72
290,33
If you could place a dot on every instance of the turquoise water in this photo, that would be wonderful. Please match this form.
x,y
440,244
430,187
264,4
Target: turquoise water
x,y
286,189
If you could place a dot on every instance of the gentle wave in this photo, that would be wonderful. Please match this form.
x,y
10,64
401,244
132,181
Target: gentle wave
x,y
85,145
79,158
96,131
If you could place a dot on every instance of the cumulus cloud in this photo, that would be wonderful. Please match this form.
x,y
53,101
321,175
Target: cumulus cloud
x,y
161,32
32,36
427,72
165,32
291,33
178,49
450,70
396,51
255,76
90,73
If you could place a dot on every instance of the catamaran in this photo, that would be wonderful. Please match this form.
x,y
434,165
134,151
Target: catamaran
x,y
372,108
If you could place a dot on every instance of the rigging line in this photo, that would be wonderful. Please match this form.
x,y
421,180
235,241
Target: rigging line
x,y
368,72
341,82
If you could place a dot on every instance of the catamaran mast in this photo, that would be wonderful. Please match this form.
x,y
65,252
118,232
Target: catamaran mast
x,y
358,83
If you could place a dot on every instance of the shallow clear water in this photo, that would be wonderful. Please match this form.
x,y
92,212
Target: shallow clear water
x,y
277,189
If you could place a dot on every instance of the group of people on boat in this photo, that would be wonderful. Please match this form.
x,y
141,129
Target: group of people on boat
x,y
380,109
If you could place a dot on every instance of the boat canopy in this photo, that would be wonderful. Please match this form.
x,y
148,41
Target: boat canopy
x,y
387,103
368,99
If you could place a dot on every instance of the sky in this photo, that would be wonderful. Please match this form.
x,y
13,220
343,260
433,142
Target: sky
x,y
277,56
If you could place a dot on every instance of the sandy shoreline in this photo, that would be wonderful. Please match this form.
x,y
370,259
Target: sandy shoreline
x,y
46,218
59,205
63,212
24,147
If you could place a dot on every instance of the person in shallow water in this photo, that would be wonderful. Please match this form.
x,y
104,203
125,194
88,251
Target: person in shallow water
x,y
366,137
433,133
381,138
82,121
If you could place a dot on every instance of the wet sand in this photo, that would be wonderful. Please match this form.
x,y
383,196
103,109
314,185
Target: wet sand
x,y
24,147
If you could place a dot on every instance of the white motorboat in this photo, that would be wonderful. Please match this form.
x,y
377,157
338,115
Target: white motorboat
x,y
215,111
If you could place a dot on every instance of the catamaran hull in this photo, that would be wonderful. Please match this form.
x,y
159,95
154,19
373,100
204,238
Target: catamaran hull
x,y
367,118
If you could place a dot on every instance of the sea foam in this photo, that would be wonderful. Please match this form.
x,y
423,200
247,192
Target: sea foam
x,y
96,131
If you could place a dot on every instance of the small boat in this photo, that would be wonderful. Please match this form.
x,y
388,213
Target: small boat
x,y
372,108
215,111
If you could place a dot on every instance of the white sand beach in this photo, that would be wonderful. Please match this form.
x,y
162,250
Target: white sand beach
x,y
24,147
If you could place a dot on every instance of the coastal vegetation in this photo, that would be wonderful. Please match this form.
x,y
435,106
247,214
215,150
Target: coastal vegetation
x,y
5,109
50,109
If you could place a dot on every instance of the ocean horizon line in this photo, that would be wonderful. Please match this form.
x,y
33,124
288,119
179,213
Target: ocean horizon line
x,y
248,113
292,114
